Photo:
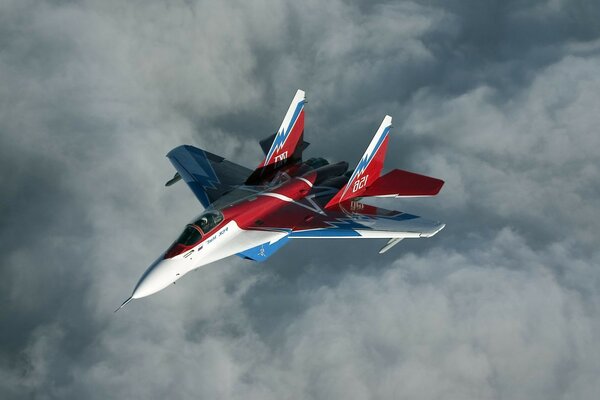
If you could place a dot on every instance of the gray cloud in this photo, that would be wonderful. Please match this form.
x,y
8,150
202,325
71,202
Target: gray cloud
x,y
497,98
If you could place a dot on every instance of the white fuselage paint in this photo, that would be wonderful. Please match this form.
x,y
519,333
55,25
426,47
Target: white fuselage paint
x,y
226,241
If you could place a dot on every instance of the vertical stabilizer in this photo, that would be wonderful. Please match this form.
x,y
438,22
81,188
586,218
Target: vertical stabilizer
x,y
369,167
290,133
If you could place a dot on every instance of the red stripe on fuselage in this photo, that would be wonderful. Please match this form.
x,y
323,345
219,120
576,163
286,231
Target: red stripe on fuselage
x,y
248,212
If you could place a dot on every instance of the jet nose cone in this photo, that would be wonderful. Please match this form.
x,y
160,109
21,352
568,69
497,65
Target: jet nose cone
x,y
157,277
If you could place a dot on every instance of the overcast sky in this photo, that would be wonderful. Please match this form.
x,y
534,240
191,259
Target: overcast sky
x,y
501,99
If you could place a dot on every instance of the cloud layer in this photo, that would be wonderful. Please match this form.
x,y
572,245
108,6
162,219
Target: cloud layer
x,y
499,99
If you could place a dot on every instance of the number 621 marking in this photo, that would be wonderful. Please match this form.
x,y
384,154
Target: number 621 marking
x,y
359,184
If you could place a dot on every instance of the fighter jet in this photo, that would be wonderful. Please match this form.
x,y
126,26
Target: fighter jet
x,y
253,213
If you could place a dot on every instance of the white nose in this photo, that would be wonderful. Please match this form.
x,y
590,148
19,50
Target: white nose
x,y
157,277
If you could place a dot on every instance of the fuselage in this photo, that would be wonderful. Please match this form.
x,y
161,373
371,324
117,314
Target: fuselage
x,y
253,213
235,225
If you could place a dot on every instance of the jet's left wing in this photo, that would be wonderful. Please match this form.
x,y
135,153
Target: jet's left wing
x,y
208,175
304,219
362,221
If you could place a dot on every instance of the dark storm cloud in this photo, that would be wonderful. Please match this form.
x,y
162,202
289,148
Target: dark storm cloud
x,y
500,99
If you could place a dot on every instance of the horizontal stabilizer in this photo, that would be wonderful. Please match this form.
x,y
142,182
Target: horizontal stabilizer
x,y
399,183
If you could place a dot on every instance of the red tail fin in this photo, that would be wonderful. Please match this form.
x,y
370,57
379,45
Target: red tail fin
x,y
289,135
369,167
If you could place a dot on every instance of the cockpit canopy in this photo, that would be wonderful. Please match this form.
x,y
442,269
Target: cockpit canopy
x,y
192,234
207,221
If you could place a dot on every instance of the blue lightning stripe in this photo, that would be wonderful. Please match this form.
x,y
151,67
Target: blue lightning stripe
x,y
263,251
364,162
327,232
283,134
348,223
348,227
340,228
207,177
